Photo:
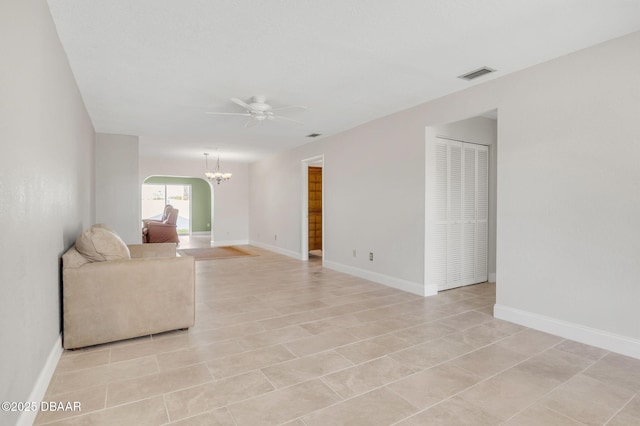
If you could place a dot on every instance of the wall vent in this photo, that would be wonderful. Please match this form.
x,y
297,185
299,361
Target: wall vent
x,y
476,73
313,135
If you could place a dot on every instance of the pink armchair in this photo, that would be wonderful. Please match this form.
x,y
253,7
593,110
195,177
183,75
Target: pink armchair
x,y
162,231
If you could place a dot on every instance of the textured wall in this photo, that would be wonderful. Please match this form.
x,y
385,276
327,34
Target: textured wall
x,y
46,186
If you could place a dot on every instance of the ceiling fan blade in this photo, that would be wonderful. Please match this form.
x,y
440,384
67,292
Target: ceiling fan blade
x,y
242,104
289,107
246,114
250,123
288,119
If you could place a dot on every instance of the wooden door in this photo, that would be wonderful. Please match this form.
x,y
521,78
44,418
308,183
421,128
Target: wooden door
x,y
315,208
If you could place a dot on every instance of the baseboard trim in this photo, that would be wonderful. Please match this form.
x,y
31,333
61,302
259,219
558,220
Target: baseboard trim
x,y
275,249
400,284
587,335
492,277
217,243
42,382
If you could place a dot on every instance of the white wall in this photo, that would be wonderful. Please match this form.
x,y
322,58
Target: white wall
x,y
117,193
479,130
373,180
46,184
567,204
230,199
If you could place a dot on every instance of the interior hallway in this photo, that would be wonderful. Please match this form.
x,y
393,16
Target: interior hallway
x,y
281,341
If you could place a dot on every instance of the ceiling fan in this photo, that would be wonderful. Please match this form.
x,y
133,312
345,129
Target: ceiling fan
x,y
258,111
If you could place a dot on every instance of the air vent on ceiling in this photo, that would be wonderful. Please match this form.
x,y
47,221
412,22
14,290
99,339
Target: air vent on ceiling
x,y
313,135
477,73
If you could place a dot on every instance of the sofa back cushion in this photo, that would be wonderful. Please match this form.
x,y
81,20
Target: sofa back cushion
x,y
99,244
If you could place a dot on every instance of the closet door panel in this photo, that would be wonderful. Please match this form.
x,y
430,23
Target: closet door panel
x,y
482,213
469,253
454,230
481,253
482,192
460,214
469,214
441,214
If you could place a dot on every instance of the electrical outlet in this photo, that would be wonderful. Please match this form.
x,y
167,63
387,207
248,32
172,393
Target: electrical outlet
x,y
354,252
371,256
275,237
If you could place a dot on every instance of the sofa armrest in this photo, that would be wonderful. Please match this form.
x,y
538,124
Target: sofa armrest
x,y
122,299
152,250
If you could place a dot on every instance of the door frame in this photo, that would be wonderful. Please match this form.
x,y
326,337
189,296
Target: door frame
x,y
304,196
430,136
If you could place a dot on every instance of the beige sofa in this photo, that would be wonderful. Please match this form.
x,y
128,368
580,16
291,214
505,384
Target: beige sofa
x,y
112,291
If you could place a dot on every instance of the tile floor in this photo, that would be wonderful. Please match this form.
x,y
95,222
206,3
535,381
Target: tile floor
x,y
279,341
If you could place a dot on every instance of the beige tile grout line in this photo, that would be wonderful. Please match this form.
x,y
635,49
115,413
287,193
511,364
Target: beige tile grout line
x,y
166,408
422,370
557,412
500,372
97,411
621,408
281,343
469,296
457,393
146,397
336,347
299,357
354,365
386,384
550,392
296,357
233,419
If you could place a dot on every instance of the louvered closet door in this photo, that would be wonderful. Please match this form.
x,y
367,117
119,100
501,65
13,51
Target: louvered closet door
x,y
441,213
455,229
469,220
461,213
482,213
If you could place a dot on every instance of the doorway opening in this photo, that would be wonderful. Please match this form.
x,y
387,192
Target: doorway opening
x,y
156,196
460,203
191,196
312,195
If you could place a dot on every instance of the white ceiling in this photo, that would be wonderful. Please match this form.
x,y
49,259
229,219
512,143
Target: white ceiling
x,y
153,67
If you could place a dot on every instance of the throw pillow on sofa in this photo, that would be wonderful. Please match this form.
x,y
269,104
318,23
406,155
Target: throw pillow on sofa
x,y
99,244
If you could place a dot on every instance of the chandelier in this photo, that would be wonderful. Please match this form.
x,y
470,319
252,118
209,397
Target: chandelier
x,y
217,176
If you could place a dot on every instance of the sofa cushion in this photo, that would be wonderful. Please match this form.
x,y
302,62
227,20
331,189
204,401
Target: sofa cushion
x,y
99,244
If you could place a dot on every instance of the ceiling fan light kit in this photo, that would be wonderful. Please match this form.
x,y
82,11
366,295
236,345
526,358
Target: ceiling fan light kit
x,y
216,176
